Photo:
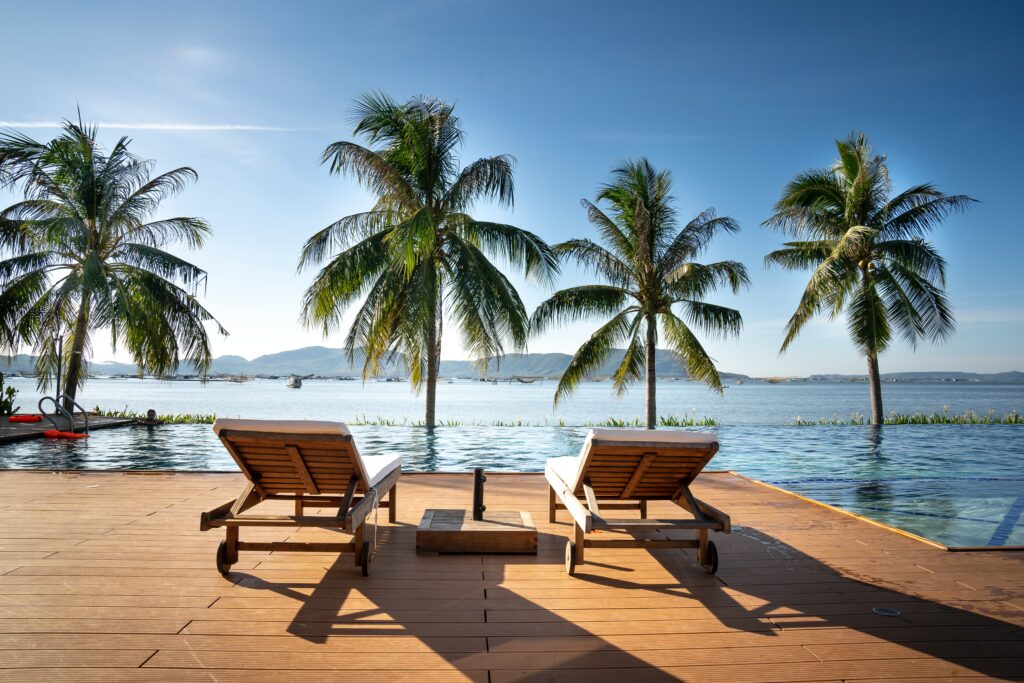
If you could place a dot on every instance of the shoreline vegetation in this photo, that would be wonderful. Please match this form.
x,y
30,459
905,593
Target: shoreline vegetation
x,y
946,417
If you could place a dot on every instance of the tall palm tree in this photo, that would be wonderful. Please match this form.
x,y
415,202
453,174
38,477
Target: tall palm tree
x,y
867,253
417,254
82,255
646,260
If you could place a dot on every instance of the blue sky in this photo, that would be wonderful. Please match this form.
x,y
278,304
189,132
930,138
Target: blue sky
x,y
734,97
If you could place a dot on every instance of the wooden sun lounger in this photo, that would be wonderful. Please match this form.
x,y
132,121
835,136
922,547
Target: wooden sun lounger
x,y
315,464
623,469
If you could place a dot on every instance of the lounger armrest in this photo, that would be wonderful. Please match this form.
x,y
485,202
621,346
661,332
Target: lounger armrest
x,y
582,516
370,500
715,514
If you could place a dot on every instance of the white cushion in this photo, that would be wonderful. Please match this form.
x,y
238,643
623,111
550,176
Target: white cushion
x,y
565,467
283,426
572,469
379,466
652,435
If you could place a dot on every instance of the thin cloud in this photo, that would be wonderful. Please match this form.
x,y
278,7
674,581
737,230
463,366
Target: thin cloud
x,y
168,126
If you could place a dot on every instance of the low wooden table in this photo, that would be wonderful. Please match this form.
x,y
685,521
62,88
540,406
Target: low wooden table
x,y
455,531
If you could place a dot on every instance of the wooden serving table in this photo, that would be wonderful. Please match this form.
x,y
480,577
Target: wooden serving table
x,y
455,531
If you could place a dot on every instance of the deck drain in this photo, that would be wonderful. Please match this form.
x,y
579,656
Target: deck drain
x,y
886,611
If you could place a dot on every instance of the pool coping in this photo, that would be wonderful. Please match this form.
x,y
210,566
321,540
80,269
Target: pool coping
x,y
868,520
897,530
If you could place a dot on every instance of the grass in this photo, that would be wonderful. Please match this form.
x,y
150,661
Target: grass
x,y
174,419
946,417
663,421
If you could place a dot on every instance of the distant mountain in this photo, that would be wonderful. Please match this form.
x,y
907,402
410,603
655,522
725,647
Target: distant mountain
x,y
327,362
322,361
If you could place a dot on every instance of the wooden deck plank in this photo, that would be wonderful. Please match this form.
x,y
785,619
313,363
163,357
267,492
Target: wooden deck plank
x,y
106,577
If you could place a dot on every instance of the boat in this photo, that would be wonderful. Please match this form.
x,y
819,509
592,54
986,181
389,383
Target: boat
x,y
294,383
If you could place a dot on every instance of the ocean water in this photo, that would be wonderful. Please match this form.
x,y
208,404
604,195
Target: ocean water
x,y
469,402
956,484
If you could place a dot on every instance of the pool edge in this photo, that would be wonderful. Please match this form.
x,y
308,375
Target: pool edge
x,y
897,530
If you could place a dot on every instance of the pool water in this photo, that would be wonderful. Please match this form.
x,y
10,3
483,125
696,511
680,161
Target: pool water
x,y
960,485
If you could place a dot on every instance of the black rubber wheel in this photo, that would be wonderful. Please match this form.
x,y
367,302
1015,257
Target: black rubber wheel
x,y
710,563
570,558
365,558
223,566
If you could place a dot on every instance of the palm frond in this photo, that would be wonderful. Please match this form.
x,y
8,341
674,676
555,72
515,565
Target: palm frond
x,y
578,303
688,350
593,352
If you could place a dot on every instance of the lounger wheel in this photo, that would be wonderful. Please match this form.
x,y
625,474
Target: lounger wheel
x,y
365,558
223,566
570,558
710,563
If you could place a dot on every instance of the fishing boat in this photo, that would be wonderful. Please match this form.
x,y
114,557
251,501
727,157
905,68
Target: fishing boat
x,y
294,383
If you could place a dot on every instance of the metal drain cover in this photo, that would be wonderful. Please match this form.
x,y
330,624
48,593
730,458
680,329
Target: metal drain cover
x,y
886,611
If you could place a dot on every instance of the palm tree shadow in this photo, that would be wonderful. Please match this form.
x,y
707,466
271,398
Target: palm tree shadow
x,y
810,601
477,617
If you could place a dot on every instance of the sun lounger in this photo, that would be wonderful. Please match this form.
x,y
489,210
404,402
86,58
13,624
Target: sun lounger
x,y
623,469
315,464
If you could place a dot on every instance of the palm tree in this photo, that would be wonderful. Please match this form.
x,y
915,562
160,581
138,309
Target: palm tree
x,y
867,253
83,255
646,260
417,254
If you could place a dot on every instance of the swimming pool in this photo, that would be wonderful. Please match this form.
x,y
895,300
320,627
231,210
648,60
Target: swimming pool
x,y
960,485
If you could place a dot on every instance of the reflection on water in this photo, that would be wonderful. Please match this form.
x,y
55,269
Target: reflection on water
x,y
957,484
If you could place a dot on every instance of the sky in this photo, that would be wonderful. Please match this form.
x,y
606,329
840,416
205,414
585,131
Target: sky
x,y
735,98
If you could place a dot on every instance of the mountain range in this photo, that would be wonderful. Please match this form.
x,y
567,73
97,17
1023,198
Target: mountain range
x,y
321,361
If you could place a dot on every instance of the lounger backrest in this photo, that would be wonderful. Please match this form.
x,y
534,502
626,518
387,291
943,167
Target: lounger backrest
x,y
641,464
293,456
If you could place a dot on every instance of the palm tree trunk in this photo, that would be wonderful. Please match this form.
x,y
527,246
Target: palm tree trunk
x,y
875,386
652,400
433,366
74,373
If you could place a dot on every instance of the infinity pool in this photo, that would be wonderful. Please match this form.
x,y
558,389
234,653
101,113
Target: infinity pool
x,y
956,484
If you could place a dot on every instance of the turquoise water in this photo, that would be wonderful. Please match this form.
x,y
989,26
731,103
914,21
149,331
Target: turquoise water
x,y
956,484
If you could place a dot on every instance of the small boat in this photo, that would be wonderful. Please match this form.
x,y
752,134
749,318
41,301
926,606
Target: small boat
x,y
294,383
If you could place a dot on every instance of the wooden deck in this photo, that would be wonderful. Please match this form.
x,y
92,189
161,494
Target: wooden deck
x,y
106,577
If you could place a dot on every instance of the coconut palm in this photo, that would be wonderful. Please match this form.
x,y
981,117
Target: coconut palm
x,y
417,255
867,253
651,282
83,255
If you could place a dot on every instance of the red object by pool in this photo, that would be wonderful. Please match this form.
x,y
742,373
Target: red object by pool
x,y
57,434
25,418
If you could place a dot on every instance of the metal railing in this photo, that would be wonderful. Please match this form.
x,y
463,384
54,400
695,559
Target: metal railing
x,y
59,409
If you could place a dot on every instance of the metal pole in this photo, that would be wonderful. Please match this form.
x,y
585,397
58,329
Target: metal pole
x,y
478,493
60,352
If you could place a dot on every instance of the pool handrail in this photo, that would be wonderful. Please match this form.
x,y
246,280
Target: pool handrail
x,y
58,408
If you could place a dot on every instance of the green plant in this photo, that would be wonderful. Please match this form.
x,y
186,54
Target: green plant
x,y
650,281
174,418
418,250
867,253
8,396
969,417
85,255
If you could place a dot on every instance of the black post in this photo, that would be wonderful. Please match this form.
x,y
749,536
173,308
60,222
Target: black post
x,y
60,353
478,493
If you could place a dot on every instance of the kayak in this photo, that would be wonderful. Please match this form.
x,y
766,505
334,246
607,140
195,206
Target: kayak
x,y
25,419
58,434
